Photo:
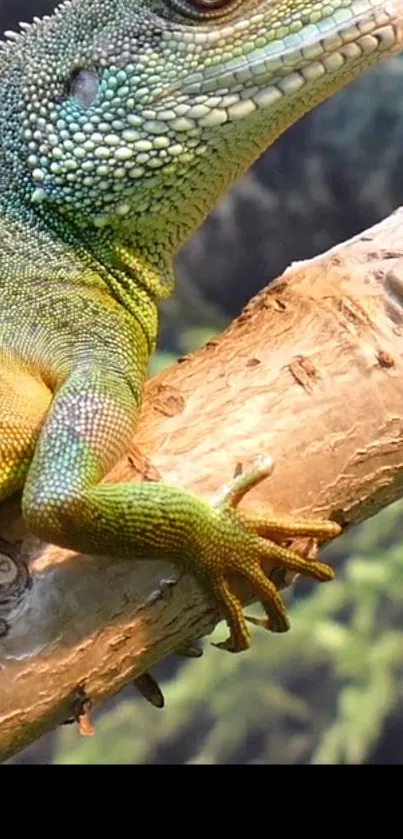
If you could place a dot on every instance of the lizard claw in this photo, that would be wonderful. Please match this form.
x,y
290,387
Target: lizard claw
x,y
149,687
191,649
150,690
245,544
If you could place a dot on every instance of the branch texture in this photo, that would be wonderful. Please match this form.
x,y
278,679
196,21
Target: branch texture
x,y
310,373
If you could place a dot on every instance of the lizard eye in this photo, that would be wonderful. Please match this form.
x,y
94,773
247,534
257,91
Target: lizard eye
x,y
83,87
205,9
209,5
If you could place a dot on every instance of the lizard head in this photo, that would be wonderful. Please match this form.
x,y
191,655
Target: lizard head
x,y
136,115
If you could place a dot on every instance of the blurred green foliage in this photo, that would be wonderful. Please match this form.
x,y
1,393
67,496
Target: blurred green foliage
x,y
323,693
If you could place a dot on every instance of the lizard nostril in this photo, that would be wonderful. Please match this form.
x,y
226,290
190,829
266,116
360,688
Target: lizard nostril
x,y
83,87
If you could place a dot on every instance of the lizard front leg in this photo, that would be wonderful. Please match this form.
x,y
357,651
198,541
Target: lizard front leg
x,y
90,424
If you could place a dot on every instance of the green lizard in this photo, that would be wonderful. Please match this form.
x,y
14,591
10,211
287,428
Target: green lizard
x,y
121,124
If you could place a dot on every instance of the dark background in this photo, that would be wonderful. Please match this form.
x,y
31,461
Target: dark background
x,y
322,696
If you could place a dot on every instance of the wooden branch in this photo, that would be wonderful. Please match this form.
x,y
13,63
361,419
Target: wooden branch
x,y
311,373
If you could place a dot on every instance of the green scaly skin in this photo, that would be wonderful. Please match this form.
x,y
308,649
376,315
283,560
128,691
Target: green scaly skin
x,y
121,124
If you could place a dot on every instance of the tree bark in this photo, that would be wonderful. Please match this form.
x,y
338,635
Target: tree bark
x,y
310,373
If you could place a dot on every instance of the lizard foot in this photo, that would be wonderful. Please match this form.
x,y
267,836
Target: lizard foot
x,y
244,543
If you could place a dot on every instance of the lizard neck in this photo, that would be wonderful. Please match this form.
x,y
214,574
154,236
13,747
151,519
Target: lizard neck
x,y
84,257
134,277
